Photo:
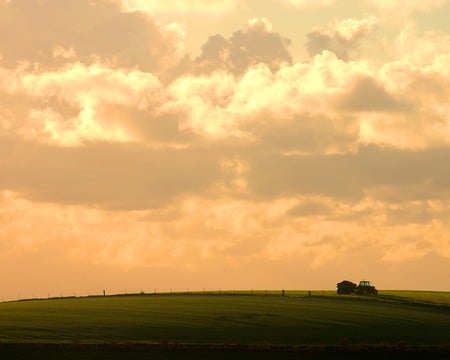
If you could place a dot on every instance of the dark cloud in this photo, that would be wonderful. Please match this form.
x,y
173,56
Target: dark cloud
x,y
318,41
303,132
344,38
106,175
388,174
137,176
243,49
368,95
32,29
309,208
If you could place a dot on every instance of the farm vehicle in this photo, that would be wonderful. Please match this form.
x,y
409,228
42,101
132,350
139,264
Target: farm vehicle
x,y
364,288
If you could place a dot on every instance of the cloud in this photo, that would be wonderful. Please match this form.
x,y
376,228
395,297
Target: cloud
x,y
368,95
175,6
406,6
308,3
199,230
49,32
420,90
266,103
139,177
417,212
310,208
327,105
420,49
87,91
107,175
343,37
291,108
257,43
386,174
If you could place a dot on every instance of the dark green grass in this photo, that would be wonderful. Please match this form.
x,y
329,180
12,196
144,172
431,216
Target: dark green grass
x,y
430,297
225,319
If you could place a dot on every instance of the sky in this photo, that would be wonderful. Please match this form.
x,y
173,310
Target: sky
x,y
255,144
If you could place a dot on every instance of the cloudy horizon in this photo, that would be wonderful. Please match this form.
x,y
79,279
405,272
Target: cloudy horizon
x,y
223,144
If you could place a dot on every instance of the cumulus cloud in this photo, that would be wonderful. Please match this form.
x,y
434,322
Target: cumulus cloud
x,y
420,90
290,109
86,90
264,104
257,43
294,108
343,38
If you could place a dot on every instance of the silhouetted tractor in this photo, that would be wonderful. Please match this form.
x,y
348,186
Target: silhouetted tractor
x,y
364,288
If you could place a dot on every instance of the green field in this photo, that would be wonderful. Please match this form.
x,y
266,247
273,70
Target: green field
x,y
392,317
431,297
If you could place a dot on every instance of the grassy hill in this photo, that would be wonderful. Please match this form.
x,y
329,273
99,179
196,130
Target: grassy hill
x,y
409,318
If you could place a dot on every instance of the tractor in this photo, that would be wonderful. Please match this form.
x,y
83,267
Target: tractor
x,y
364,288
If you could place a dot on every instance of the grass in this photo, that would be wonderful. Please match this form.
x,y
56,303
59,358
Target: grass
x,y
246,318
429,297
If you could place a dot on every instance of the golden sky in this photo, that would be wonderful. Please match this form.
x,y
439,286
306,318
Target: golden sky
x,y
223,144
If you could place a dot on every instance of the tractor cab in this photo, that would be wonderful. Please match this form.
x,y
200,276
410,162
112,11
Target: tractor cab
x,y
365,288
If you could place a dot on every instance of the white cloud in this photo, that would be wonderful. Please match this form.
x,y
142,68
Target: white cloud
x,y
259,24
88,89
349,29
223,106
48,126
